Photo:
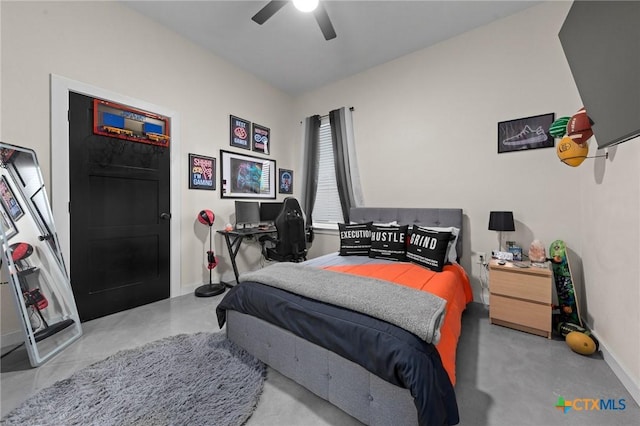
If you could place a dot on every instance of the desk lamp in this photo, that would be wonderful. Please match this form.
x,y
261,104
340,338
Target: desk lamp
x,y
206,217
501,221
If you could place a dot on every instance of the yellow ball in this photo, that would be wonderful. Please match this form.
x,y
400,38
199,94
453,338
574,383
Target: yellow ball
x,y
580,343
570,152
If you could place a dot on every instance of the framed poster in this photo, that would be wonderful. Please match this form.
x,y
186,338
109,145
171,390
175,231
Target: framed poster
x,y
525,133
240,133
7,224
9,201
285,179
202,172
260,136
246,176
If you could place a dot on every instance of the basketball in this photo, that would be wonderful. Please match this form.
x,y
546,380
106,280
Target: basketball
x,y
570,152
558,128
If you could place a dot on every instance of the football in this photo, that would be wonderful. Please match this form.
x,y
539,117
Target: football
x,y
579,122
581,137
581,343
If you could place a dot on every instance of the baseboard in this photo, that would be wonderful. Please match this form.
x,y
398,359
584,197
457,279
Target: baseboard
x,y
12,338
627,380
188,289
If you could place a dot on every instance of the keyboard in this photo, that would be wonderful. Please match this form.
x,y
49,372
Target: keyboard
x,y
255,229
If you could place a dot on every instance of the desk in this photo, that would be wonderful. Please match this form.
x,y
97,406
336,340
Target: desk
x,y
234,239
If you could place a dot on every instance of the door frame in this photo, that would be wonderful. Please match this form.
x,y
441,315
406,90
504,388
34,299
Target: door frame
x,y
60,88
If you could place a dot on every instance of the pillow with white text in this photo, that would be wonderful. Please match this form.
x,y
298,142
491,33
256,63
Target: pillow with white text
x,y
389,242
452,253
355,239
428,248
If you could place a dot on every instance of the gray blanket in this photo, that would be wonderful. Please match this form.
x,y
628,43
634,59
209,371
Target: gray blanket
x,y
416,311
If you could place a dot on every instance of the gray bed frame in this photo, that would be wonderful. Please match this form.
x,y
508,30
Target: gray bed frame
x,y
343,383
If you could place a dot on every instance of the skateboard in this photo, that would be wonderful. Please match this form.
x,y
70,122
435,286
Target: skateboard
x,y
567,298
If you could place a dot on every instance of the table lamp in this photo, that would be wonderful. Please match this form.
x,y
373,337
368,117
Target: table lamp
x,y
501,221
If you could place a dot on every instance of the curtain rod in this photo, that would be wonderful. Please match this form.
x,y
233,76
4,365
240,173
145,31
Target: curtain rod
x,y
327,115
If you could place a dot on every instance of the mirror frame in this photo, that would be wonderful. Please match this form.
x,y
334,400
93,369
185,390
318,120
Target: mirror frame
x,y
36,259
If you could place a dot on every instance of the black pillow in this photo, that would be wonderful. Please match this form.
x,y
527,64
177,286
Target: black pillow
x,y
389,242
355,239
428,248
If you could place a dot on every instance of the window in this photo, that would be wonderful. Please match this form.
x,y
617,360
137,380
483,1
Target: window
x,y
327,209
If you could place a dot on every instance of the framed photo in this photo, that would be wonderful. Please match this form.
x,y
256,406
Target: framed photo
x,y
202,172
525,133
7,224
6,154
240,132
246,176
285,179
261,136
9,201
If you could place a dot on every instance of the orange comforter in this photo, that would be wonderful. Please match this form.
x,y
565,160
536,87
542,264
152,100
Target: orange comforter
x,y
452,284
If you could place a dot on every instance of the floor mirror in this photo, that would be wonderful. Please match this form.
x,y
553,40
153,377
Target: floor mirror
x,y
32,261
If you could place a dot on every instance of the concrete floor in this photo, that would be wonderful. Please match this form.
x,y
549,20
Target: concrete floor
x,y
504,376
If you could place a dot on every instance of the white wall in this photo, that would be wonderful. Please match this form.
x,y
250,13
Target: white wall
x,y
426,133
145,61
426,129
610,209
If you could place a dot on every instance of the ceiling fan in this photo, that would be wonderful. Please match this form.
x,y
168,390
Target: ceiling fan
x,y
319,12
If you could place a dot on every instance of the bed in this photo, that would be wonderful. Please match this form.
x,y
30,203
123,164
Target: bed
x,y
353,349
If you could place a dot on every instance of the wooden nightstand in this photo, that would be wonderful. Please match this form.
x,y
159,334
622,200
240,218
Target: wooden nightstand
x,y
520,298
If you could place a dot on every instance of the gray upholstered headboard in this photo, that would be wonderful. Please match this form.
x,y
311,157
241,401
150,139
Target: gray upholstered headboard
x,y
411,216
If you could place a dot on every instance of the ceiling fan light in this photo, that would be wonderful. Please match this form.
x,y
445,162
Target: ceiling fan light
x,y
305,5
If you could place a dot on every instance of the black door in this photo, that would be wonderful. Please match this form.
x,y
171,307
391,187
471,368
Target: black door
x,y
119,213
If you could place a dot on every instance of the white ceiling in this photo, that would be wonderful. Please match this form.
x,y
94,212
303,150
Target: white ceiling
x,y
289,51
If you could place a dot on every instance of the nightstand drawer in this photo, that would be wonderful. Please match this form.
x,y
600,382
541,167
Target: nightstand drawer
x,y
520,285
534,315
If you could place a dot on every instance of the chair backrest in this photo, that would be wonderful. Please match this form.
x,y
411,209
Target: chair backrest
x,y
291,230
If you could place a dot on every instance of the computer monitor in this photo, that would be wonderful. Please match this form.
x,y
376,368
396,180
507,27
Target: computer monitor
x,y
247,213
269,212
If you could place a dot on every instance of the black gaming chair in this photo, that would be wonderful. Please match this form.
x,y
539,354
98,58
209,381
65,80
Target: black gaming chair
x,y
291,242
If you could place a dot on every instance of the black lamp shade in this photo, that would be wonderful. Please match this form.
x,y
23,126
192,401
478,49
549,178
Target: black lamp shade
x,y
501,221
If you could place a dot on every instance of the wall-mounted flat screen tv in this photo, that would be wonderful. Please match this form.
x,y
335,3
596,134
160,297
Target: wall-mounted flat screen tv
x,y
601,40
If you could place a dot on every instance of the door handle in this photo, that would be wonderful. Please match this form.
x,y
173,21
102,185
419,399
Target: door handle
x,y
165,216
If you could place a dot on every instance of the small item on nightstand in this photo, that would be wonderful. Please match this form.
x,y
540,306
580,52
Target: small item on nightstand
x,y
521,264
502,262
537,252
515,249
517,252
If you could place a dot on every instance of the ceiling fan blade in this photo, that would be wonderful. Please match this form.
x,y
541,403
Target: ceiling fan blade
x,y
268,11
325,23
